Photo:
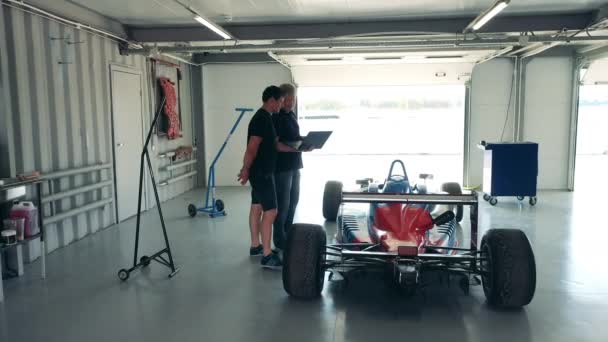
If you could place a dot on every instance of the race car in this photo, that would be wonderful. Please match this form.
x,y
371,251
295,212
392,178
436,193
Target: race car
x,y
401,231
394,183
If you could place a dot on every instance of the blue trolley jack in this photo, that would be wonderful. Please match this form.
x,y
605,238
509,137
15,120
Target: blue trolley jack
x,y
215,206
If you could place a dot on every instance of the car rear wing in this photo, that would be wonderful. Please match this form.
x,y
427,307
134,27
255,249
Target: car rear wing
x,y
372,197
469,199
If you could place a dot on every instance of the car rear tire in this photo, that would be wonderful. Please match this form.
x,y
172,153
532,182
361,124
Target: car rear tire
x,y
509,268
303,269
332,197
453,188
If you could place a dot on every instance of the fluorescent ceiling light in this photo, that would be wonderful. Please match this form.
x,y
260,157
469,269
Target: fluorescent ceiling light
x,y
444,57
491,14
382,58
487,15
213,27
329,59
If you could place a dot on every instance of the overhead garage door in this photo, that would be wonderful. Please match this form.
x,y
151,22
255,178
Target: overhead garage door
x,y
379,113
592,142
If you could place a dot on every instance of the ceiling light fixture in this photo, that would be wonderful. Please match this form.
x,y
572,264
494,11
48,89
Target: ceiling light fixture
x,y
329,59
487,15
212,26
206,22
444,57
381,58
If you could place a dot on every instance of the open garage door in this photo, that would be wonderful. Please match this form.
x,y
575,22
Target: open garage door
x,y
383,112
591,141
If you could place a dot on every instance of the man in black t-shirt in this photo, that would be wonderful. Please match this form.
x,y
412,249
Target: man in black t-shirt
x,y
258,168
287,175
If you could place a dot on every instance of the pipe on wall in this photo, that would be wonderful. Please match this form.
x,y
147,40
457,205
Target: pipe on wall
x,y
352,46
576,76
23,6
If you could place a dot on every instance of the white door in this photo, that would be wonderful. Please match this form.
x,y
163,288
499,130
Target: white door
x,y
128,139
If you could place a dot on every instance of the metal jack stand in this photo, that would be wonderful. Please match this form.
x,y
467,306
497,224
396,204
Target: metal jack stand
x,y
215,207
145,260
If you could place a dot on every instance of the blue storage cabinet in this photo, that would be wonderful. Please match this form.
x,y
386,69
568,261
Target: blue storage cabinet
x,y
510,169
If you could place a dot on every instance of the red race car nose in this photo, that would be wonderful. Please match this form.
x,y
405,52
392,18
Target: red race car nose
x,y
403,221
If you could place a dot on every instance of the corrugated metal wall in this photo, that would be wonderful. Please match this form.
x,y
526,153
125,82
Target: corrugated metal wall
x,y
4,132
59,106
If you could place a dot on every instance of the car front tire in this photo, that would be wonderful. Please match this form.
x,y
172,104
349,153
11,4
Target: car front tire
x,y
303,264
332,198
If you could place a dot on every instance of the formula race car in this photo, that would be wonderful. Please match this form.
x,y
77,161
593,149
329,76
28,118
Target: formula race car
x,y
394,183
402,231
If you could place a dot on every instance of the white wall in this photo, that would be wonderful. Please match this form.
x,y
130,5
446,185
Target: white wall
x,y
547,111
225,87
546,117
58,116
490,90
548,107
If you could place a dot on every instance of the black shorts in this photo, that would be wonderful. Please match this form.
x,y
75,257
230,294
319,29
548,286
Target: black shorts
x,y
263,191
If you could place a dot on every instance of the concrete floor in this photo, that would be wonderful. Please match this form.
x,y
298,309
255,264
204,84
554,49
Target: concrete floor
x,y
222,295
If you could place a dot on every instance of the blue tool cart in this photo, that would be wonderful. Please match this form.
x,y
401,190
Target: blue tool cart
x,y
509,169
215,206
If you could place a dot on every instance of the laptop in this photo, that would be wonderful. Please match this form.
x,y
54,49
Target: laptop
x,y
313,141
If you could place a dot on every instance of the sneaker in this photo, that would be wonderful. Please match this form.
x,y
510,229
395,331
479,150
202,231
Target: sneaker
x,y
272,261
256,251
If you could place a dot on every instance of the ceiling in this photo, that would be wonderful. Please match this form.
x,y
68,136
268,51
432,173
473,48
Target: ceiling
x,y
168,12
356,32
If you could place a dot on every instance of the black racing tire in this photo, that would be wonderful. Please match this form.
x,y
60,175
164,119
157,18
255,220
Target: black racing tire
x,y
453,188
509,268
123,275
192,210
303,269
219,205
332,198
145,261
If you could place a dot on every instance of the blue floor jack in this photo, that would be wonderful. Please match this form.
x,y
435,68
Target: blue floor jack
x,y
215,206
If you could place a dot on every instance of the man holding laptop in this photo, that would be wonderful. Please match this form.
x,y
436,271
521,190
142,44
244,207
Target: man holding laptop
x,y
259,165
287,173
271,164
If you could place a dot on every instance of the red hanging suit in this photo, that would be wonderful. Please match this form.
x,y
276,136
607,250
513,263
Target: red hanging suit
x,y
169,109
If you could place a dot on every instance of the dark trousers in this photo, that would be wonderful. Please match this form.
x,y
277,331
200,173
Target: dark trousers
x,y
288,195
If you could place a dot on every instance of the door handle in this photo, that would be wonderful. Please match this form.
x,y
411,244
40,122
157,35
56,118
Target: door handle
x,y
120,145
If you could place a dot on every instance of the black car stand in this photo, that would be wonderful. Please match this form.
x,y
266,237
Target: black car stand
x,y
159,257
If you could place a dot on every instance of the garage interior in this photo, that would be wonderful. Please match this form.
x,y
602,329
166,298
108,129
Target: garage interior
x,y
421,81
